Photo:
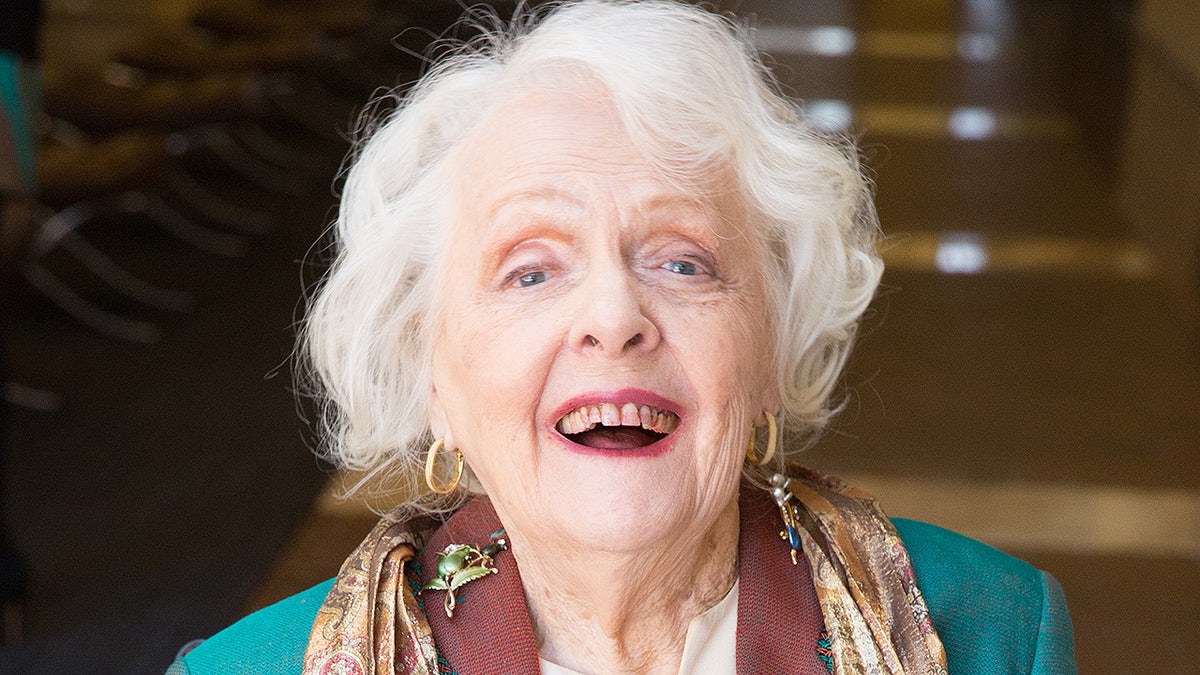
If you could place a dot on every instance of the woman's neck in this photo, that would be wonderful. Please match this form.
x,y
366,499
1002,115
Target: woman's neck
x,y
596,611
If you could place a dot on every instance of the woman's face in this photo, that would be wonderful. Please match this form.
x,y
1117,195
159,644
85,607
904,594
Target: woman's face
x,y
602,341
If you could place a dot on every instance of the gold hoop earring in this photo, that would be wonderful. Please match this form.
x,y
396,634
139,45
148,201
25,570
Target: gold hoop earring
x,y
772,441
431,459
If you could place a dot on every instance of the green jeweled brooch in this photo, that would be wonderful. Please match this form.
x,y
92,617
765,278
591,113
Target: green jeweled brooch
x,y
459,564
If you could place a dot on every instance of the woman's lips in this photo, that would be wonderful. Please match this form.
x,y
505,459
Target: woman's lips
x,y
628,422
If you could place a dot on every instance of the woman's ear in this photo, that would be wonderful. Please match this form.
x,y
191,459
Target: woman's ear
x,y
439,425
770,404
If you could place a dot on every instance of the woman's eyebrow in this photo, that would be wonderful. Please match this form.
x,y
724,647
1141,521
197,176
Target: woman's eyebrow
x,y
530,213
503,238
686,214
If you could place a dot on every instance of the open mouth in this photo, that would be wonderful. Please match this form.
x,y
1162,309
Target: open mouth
x,y
612,427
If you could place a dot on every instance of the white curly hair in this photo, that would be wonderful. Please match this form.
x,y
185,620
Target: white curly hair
x,y
694,93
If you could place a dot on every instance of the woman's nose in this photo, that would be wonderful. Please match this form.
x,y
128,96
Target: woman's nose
x,y
612,320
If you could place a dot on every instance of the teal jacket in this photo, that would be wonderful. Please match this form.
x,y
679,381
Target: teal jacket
x,y
994,613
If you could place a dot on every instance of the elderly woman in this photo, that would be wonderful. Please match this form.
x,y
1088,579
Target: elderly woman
x,y
595,281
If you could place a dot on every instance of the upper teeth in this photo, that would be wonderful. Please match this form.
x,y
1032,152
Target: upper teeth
x,y
610,415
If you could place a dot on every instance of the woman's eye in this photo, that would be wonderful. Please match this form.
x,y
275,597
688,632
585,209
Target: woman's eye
x,y
530,279
681,267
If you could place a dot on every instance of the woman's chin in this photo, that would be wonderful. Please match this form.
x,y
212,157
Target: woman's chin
x,y
621,502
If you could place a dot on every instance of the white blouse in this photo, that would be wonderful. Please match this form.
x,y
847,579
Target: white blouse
x,y
710,647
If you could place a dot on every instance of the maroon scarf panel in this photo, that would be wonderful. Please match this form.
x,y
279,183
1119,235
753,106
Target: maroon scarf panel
x,y
491,631
779,617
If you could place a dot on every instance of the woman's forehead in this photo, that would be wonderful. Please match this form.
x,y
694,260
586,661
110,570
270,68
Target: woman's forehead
x,y
550,144
576,120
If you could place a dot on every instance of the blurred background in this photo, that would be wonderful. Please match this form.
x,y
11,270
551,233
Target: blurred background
x,y
1029,374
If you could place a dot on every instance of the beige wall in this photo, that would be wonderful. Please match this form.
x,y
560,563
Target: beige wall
x,y
1175,26
1159,186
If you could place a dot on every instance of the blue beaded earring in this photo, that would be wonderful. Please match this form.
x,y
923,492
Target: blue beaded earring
x,y
787,510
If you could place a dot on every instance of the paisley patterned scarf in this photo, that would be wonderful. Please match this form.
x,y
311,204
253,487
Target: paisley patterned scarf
x,y
858,582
